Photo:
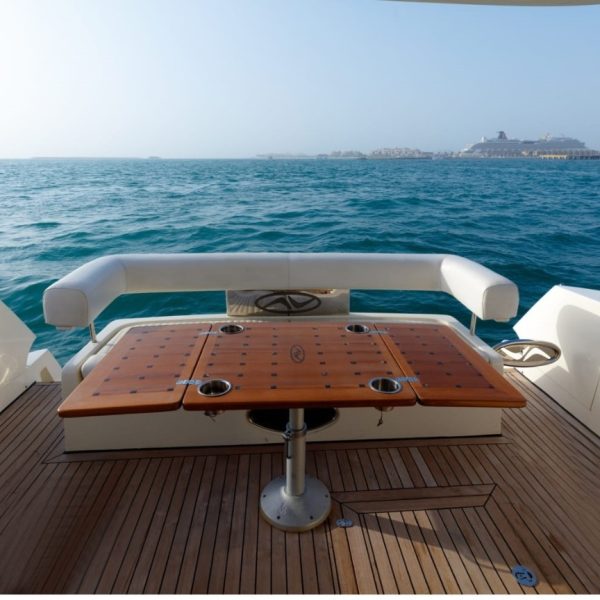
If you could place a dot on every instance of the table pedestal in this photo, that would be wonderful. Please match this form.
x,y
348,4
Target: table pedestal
x,y
295,502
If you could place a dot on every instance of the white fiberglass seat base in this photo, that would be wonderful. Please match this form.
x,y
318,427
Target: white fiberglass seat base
x,y
19,368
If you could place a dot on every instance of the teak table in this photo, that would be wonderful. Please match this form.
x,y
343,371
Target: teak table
x,y
294,365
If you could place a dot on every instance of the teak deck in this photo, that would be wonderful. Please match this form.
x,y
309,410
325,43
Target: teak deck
x,y
287,365
442,515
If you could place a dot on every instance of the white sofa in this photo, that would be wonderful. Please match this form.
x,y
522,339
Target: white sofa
x,y
79,297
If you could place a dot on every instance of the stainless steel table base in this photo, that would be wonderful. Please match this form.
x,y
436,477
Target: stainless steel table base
x,y
295,502
295,513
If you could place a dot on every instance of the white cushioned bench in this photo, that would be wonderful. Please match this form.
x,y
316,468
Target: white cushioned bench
x,y
79,297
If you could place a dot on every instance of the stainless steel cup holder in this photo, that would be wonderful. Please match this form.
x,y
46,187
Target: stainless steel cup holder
x,y
385,385
231,328
214,387
357,328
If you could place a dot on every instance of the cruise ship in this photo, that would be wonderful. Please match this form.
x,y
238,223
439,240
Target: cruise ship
x,y
548,147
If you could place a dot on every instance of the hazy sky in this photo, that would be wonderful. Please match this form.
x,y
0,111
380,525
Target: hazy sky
x,y
233,78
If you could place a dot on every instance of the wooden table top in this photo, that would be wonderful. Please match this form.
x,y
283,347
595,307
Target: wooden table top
x,y
288,365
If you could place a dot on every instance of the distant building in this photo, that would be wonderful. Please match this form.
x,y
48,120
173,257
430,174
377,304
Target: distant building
x,y
400,153
346,154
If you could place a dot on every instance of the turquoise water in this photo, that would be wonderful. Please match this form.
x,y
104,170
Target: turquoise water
x,y
536,222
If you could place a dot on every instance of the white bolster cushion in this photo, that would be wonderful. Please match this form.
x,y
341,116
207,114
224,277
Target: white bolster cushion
x,y
78,298
483,291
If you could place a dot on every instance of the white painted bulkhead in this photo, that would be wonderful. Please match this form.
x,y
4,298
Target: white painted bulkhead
x,y
570,318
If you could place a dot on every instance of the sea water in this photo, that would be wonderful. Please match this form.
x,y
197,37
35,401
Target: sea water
x,y
536,222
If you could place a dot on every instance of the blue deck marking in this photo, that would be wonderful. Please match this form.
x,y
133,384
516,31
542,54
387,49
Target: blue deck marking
x,y
524,576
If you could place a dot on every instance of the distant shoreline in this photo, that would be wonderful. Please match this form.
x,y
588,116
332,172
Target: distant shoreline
x,y
434,157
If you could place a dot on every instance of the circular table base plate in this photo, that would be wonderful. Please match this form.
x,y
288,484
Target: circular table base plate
x,y
295,513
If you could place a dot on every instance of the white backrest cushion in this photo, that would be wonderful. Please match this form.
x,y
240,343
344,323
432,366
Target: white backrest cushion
x,y
78,298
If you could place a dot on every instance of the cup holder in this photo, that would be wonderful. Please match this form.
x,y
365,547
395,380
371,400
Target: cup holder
x,y
385,385
357,328
214,387
231,328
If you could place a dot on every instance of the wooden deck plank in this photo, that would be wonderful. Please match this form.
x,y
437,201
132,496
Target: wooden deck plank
x,y
293,563
421,548
406,456
247,579
381,558
23,425
264,541
454,465
310,582
409,554
577,467
577,435
400,467
220,553
440,476
550,489
143,570
439,466
185,520
327,575
541,522
373,458
165,542
452,552
508,547
471,475
478,551
355,466
74,541
209,532
278,558
424,471
47,550
189,564
184,527
86,569
364,525
341,552
493,544
392,548
581,485
346,470
447,576
120,563
466,554
361,563
527,548
27,441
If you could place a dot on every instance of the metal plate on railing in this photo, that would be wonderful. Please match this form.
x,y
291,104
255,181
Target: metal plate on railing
x,y
287,303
